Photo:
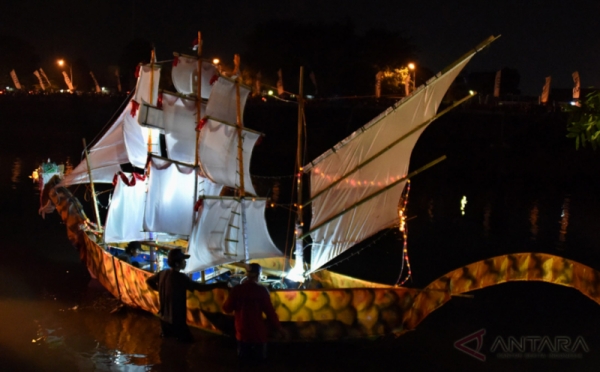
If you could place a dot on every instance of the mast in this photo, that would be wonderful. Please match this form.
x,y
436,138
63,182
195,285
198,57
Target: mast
x,y
296,274
152,56
238,120
198,119
96,211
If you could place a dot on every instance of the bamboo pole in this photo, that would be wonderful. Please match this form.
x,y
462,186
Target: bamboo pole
x,y
299,251
242,190
152,57
95,201
383,151
198,119
410,175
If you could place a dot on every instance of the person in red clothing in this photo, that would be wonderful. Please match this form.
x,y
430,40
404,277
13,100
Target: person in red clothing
x,y
249,301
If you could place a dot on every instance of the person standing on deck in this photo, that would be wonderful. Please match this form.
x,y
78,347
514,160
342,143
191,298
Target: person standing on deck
x,y
172,285
249,301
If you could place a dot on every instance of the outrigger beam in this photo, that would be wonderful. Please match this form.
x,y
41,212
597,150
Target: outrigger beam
x,y
420,126
410,175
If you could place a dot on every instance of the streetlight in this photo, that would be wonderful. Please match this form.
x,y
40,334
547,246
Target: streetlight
x,y
61,63
413,68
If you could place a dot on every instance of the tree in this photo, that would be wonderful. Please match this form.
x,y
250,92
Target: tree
x,y
584,121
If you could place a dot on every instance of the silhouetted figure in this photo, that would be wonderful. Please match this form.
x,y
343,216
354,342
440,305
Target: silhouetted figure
x,y
172,285
249,301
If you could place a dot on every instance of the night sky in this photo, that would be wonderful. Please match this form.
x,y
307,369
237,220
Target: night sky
x,y
539,38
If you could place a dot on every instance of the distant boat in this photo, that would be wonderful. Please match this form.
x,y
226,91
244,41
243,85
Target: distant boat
x,y
176,197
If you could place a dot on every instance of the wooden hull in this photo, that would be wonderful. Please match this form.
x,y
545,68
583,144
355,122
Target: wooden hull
x,y
346,308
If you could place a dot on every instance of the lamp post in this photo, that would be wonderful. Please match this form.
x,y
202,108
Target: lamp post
x,y
412,67
61,63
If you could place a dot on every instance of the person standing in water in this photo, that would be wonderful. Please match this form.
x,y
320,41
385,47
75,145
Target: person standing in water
x,y
172,285
249,301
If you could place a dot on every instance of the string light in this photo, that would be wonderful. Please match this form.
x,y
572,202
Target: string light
x,y
404,230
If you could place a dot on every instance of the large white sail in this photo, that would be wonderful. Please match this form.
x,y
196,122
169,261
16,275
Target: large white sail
x,y
334,236
125,141
218,152
170,201
217,235
185,75
124,222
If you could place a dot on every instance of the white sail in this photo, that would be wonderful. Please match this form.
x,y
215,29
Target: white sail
x,y
217,236
124,222
360,222
146,89
124,142
170,201
177,119
218,152
222,101
185,75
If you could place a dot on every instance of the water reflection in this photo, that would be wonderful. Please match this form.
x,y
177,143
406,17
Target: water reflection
x,y
487,212
534,215
16,173
564,223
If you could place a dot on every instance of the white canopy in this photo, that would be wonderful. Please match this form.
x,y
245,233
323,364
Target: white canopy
x,y
358,223
185,75
124,222
217,236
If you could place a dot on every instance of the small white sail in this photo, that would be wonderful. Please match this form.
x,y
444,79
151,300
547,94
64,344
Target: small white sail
x,y
222,101
177,119
147,84
360,222
170,201
217,236
124,222
185,75
218,153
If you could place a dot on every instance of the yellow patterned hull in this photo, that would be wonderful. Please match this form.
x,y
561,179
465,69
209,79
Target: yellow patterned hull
x,y
346,308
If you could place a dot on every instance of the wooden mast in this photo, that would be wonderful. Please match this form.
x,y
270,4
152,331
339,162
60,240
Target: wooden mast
x,y
198,119
298,269
96,211
238,121
152,57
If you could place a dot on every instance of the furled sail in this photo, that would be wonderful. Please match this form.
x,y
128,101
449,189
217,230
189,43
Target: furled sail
x,y
125,141
185,75
343,179
217,236
124,222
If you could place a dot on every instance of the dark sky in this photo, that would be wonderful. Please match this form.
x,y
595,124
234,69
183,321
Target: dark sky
x,y
539,37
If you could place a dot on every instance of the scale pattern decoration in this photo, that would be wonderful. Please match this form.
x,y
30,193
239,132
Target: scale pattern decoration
x,y
361,310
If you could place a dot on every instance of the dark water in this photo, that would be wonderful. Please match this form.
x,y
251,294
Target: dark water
x,y
525,190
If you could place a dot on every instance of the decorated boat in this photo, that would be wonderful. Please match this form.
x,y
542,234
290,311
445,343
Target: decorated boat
x,y
180,166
